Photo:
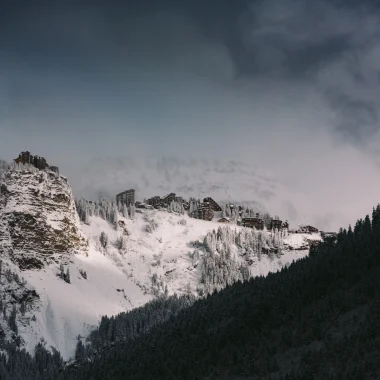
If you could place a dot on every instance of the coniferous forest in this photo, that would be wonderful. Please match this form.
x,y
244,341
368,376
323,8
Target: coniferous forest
x,y
319,318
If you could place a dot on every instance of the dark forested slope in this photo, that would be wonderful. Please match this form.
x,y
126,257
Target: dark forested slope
x,y
317,319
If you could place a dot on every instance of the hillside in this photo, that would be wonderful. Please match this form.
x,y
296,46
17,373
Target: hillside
x,y
316,319
117,280
62,275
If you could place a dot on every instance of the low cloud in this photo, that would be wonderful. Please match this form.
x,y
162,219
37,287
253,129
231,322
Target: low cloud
x,y
288,87
330,46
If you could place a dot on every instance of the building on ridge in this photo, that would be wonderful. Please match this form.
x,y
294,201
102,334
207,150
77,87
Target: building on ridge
x,y
169,198
127,198
308,229
213,204
205,211
256,222
154,201
276,224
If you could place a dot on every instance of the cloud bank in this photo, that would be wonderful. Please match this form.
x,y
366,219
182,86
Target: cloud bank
x,y
290,86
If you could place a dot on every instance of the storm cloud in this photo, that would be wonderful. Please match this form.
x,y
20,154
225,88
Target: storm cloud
x,y
292,86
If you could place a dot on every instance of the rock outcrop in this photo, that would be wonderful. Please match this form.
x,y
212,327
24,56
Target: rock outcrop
x,y
36,161
38,219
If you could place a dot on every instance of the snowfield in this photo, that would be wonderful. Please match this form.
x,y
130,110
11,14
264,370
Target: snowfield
x,y
60,275
121,280
162,253
68,310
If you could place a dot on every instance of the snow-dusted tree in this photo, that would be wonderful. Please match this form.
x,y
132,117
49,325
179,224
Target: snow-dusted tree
x,y
79,350
193,208
158,285
267,221
67,276
220,267
62,271
103,238
121,243
125,211
132,209
114,218
83,273
23,308
12,320
188,290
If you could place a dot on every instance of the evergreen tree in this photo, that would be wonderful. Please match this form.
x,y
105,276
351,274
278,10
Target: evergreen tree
x,y
103,238
12,320
23,308
62,271
67,276
79,350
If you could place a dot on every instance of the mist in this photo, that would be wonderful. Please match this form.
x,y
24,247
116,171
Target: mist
x,y
288,87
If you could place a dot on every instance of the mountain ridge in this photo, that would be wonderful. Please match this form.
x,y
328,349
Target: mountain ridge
x,y
118,264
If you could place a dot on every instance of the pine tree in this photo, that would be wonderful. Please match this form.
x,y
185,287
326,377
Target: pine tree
x,y
80,350
103,238
12,320
132,211
125,211
23,308
62,271
67,276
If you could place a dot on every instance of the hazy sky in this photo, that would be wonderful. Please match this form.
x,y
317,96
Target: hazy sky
x,y
289,85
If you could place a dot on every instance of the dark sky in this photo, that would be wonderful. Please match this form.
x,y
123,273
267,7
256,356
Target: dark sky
x,y
292,85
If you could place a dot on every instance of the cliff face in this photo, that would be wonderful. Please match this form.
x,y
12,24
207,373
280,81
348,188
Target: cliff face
x,y
38,220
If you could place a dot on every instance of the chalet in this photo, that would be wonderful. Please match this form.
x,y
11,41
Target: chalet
x,y
308,229
154,201
224,220
127,197
276,224
140,205
257,223
169,198
213,204
205,211
179,200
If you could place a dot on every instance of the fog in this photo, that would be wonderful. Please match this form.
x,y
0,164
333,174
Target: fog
x,y
287,86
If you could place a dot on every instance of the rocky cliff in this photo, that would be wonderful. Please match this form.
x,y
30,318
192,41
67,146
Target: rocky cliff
x,y
38,220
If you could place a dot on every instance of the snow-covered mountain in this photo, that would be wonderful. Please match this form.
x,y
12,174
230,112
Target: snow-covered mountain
x,y
60,275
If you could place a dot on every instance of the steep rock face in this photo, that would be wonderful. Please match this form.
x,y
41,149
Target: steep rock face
x,y
38,220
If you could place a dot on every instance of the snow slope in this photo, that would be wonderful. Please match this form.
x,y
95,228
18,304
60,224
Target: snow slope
x,y
118,281
162,252
68,310
166,252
